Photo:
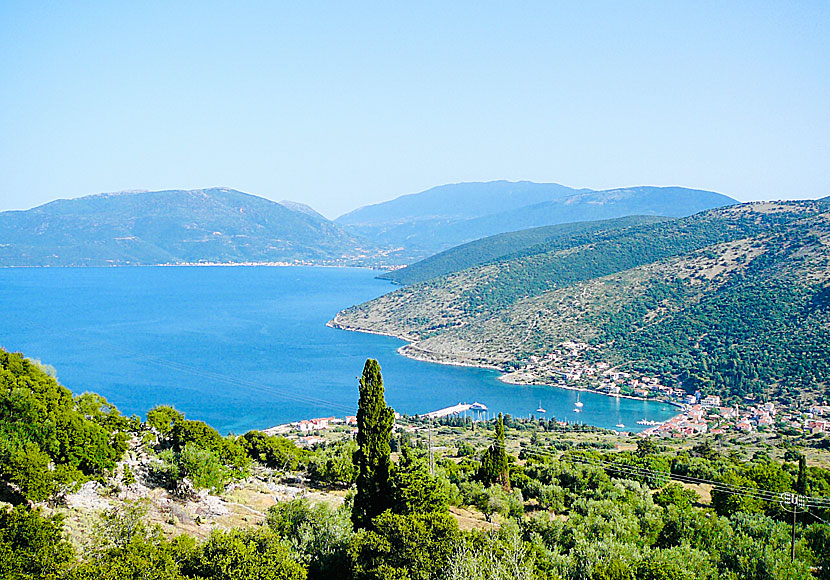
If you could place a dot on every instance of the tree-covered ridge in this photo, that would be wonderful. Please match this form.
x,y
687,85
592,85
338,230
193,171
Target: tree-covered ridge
x,y
764,329
735,318
741,314
574,512
491,248
428,308
546,267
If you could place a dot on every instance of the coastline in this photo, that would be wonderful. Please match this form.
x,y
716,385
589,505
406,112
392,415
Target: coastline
x,y
383,268
505,378
340,326
412,352
427,356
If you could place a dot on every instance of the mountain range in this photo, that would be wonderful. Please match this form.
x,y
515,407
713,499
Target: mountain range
x,y
419,225
174,226
221,225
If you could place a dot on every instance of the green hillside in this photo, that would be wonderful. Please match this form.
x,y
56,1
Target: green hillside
x,y
733,300
205,225
456,201
493,247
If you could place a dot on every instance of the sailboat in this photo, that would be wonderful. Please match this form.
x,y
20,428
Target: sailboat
x,y
578,404
540,409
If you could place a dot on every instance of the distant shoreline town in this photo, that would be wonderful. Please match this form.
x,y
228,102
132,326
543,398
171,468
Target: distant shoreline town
x,y
298,263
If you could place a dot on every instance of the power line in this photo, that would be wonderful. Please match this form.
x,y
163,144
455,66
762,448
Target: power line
x,y
797,503
752,493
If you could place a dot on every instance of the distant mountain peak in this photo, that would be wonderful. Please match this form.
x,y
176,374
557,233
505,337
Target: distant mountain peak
x,y
302,208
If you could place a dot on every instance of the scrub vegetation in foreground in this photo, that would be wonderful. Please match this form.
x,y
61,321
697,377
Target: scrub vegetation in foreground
x,y
504,499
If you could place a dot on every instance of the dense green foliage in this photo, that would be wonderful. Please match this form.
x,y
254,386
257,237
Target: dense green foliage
x,y
575,512
244,554
584,255
334,464
416,546
414,490
192,453
31,546
372,458
273,452
51,441
763,328
581,514
41,423
587,255
319,534
492,248
202,467
733,301
162,418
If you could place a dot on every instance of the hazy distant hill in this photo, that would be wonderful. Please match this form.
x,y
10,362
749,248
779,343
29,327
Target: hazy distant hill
x,y
425,223
490,248
203,225
456,201
734,301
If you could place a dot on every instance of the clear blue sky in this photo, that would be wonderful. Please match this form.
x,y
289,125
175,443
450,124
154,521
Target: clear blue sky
x,y
342,104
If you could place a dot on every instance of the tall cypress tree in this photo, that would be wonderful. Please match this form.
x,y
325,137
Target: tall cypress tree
x,y
801,481
372,458
494,467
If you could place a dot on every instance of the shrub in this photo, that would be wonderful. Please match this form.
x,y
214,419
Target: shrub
x,y
203,468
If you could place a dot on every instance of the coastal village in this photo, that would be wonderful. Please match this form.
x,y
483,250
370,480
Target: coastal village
x,y
307,433
699,413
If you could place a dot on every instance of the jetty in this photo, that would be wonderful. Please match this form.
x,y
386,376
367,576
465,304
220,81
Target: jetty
x,y
474,408
647,422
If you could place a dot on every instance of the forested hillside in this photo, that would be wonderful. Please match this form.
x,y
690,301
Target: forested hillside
x,y
733,300
493,247
228,226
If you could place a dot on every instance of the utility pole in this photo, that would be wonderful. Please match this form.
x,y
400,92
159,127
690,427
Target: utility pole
x,y
796,501
431,456
429,449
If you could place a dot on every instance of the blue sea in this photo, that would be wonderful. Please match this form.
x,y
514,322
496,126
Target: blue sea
x,y
247,347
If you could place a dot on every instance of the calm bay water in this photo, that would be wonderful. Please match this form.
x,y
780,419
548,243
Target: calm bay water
x,y
246,347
